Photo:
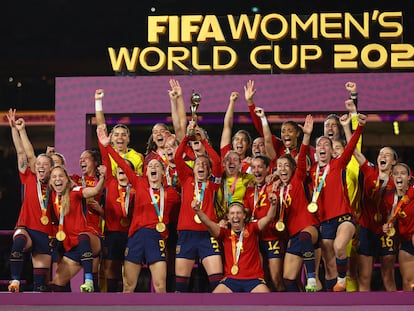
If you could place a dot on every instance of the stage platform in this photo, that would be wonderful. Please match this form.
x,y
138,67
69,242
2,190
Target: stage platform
x,y
371,301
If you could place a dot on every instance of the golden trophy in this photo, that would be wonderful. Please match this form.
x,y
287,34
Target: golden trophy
x,y
195,102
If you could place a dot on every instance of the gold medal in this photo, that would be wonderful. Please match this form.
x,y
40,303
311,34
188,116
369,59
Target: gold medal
x,y
60,235
234,269
377,217
312,207
44,220
280,226
160,227
124,222
391,231
197,219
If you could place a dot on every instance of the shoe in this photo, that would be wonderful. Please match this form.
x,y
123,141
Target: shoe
x,y
311,288
14,286
351,284
311,285
339,287
87,287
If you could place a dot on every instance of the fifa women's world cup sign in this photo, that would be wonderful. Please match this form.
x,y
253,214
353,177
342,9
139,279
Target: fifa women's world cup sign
x,y
366,41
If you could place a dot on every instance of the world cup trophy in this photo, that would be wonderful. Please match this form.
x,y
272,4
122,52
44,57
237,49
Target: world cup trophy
x,y
195,103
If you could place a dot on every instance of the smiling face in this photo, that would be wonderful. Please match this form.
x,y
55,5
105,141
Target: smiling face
x,y
160,134
87,164
236,216
338,148
386,159
289,135
401,176
259,170
258,146
120,138
332,128
201,168
59,180
43,165
155,171
170,147
241,143
324,150
232,163
284,170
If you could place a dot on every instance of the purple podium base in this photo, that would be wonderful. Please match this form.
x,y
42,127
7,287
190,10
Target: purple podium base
x,y
205,302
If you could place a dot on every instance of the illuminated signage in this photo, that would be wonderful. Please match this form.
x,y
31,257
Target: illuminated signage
x,y
368,40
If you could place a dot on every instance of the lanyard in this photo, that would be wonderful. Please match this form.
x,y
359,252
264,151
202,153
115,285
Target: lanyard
x,y
158,210
317,189
229,197
58,205
236,249
124,199
283,198
199,194
43,204
257,196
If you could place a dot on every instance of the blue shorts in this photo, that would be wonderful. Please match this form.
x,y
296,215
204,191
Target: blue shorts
x,y
58,250
192,244
408,247
372,244
114,245
329,227
41,242
294,246
242,286
75,254
145,246
272,249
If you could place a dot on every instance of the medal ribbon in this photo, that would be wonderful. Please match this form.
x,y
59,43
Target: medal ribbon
x,y
199,194
43,205
283,198
124,199
158,210
61,216
317,190
236,249
396,207
257,196
229,197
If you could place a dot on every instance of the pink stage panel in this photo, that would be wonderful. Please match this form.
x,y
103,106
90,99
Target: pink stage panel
x,y
275,93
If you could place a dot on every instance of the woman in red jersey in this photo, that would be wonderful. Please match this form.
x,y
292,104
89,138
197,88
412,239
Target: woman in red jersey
x,y
200,182
400,204
331,201
80,241
243,270
148,231
34,225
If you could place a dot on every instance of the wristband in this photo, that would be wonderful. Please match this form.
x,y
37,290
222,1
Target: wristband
x,y
98,104
264,121
353,95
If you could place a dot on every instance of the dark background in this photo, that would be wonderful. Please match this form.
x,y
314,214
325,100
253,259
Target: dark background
x,y
44,39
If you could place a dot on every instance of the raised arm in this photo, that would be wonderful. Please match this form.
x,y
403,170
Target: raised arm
x,y
178,114
228,121
21,155
99,114
90,192
211,226
267,134
27,145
